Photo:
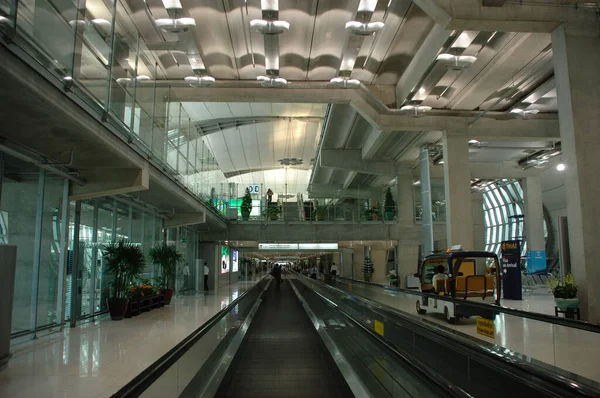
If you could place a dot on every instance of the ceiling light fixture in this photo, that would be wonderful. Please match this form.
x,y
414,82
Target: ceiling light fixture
x,y
100,21
561,167
364,29
123,81
474,142
344,82
266,81
175,25
456,62
270,27
142,78
418,110
523,113
200,81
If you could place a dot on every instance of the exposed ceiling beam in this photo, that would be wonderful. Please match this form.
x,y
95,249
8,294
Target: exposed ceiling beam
x,y
351,159
215,125
419,65
528,17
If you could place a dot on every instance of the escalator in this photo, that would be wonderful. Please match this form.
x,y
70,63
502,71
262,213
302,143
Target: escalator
x,y
282,355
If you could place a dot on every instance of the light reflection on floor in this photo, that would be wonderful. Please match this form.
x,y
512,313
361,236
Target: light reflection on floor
x,y
96,359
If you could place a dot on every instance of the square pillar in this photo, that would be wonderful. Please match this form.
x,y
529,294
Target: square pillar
x,y
457,183
576,65
534,213
478,221
405,200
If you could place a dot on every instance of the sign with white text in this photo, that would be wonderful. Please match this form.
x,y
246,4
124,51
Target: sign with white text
x,y
254,189
511,270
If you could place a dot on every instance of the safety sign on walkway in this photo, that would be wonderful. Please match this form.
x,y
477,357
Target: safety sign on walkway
x,y
378,327
485,327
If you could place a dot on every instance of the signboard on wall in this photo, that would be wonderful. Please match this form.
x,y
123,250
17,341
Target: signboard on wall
x,y
224,263
511,269
234,261
536,262
254,189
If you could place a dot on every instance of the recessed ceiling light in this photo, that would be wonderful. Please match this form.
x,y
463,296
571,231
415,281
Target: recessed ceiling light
x,y
422,91
175,25
456,62
270,27
561,167
364,29
344,82
474,142
142,78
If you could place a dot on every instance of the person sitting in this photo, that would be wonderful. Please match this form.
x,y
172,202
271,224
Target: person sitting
x,y
439,276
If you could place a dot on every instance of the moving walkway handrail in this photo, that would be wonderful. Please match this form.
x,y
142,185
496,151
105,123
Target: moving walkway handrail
x,y
149,375
479,351
571,323
414,364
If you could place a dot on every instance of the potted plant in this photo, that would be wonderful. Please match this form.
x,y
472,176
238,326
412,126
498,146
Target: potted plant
x,y
564,292
272,213
320,213
389,205
167,257
125,261
371,213
246,206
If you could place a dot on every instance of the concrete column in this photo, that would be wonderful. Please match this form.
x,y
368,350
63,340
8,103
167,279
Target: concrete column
x,y
426,215
534,213
405,200
457,183
576,64
478,221
408,261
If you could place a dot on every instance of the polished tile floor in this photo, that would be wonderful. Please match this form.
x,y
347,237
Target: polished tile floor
x,y
570,349
96,359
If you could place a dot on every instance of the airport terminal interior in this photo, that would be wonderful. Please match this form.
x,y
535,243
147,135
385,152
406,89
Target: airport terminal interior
x,y
299,198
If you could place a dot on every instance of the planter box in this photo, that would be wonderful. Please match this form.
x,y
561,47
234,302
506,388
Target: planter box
x,y
144,304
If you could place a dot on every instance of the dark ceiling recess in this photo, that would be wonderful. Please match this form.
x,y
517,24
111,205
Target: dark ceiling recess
x,y
493,3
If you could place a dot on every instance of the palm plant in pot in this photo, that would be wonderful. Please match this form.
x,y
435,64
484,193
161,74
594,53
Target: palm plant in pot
x,y
125,261
564,291
389,205
246,205
167,257
272,213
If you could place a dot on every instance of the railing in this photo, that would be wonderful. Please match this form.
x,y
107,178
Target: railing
x,y
552,340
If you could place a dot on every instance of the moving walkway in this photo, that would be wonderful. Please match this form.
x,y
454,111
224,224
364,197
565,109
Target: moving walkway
x,y
307,339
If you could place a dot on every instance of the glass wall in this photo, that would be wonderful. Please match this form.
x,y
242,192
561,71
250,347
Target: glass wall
x,y
31,216
94,50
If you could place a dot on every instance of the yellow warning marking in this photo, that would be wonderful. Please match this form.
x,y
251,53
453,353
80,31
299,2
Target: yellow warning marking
x,y
350,287
313,285
485,327
378,327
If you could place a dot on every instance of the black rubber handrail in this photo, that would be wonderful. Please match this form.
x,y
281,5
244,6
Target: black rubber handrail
x,y
570,323
478,351
148,376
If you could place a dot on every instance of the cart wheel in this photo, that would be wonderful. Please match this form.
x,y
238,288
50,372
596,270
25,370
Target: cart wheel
x,y
420,311
449,319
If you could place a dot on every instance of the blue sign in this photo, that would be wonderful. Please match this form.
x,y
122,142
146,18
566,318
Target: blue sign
x,y
254,188
536,262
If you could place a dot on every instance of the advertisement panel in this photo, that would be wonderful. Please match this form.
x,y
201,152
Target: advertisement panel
x,y
536,262
511,270
224,259
234,261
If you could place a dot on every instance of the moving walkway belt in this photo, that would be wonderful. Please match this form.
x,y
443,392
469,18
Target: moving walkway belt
x,y
282,355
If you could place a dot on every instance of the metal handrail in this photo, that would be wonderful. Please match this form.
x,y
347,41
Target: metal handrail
x,y
481,351
148,376
571,323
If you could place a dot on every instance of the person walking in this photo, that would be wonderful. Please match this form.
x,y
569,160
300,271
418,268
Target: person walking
x,y
333,271
186,277
206,272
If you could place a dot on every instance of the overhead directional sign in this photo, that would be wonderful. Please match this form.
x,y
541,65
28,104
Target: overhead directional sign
x,y
297,246
278,246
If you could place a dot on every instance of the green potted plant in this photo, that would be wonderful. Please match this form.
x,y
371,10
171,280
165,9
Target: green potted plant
x,y
564,291
320,213
125,261
371,213
167,257
272,213
389,205
246,206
